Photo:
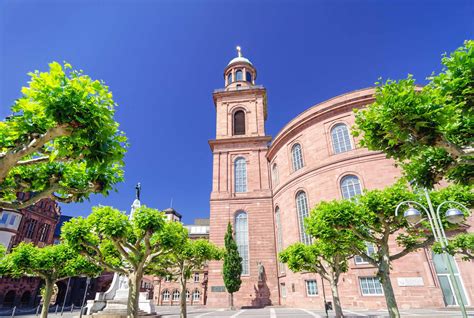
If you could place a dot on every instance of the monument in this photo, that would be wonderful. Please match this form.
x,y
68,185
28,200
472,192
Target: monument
x,y
114,301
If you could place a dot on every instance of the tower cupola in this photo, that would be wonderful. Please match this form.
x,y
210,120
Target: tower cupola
x,y
239,73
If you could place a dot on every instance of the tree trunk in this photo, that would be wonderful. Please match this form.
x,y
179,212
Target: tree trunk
x,y
134,281
335,299
231,301
48,292
182,300
384,275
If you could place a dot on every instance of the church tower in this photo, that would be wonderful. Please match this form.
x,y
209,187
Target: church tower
x,y
241,192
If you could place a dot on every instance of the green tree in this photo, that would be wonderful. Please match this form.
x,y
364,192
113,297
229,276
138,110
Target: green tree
x,y
371,218
428,130
51,263
461,244
327,258
186,258
232,266
108,238
61,141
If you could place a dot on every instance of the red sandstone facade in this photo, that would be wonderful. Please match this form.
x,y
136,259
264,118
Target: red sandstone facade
x,y
274,185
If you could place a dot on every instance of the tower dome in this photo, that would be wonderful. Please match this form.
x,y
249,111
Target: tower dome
x,y
240,72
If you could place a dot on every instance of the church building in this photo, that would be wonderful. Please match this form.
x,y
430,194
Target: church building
x,y
266,187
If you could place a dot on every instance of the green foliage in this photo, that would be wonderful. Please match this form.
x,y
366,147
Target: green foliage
x,y
54,262
462,244
232,263
61,141
427,130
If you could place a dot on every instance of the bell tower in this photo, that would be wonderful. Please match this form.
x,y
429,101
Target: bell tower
x,y
241,192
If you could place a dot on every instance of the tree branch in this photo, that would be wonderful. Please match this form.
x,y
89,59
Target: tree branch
x,y
408,250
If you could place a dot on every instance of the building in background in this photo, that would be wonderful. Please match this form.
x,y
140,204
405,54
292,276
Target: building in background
x,y
266,186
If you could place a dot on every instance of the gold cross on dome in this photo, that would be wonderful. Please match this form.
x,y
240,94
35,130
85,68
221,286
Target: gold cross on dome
x,y
239,51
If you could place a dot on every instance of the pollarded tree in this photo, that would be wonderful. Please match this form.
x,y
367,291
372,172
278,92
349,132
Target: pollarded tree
x,y
328,258
427,130
232,265
109,239
371,218
61,141
187,257
51,263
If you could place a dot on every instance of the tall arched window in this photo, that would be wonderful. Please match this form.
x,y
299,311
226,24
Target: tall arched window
x,y
196,295
239,122
239,75
248,76
302,209
279,237
176,295
242,239
297,157
240,170
350,186
165,295
275,177
341,141
229,78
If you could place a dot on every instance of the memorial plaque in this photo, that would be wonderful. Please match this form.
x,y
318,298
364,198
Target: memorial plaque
x,y
218,289
410,281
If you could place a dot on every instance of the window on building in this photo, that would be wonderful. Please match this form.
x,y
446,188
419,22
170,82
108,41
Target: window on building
x,y
12,220
240,167
196,277
370,251
229,78
239,122
188,295
297,157
248,76
196,295
350,186
167,279
279,235
44,232
341,141
239,75
242,239
30,228
370,286
165,295
311,287
303,212
4,218
283,290
176,295
275,176
446,281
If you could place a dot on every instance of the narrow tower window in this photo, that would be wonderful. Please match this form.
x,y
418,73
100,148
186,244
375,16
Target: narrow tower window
x,y
229,78
297,157
302,209
242,239
275,177
350,186
239,122
240,167
239,75
341,141
248,76
279,236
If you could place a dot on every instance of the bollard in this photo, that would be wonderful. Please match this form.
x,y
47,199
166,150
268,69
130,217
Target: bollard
x,y
13,312
72,307
37,310
56,311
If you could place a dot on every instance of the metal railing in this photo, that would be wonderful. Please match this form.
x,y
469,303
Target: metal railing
x,y
56,309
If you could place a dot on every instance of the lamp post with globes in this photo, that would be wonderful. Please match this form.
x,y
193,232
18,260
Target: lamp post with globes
x,y
453,215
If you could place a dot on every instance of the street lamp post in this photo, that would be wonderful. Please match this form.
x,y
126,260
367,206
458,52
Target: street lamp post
x,y
454,216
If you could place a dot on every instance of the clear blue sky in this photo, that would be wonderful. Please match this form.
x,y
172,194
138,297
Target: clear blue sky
x,y
162,60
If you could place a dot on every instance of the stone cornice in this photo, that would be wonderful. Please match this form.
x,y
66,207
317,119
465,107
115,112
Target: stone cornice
x,y
237,140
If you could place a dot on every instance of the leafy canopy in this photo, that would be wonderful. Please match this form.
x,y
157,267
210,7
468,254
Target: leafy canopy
x,y
61,140
428,130
462,244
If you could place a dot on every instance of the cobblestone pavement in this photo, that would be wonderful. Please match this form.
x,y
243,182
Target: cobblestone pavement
x,y
274,312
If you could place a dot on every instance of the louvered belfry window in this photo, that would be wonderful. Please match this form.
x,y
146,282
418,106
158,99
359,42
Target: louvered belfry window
x,y
239,122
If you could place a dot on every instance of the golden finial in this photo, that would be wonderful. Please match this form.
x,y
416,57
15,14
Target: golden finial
x,y
239,51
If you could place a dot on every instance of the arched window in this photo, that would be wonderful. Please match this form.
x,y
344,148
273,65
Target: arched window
x,y
229,78
302,209
350,186
239,122
239,75
188,295
242,239
248,76
165,295
240,170
275,177
176,295
297,157
279,237
341,141
196,295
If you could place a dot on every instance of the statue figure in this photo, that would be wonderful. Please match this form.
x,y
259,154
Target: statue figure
x,y
138,189
261,271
